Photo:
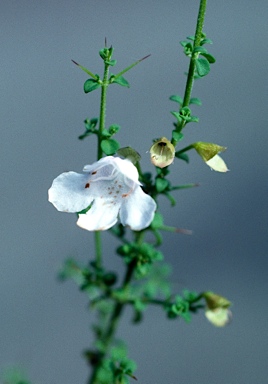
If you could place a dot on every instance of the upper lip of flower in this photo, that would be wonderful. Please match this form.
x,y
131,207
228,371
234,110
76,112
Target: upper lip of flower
x,y
111,187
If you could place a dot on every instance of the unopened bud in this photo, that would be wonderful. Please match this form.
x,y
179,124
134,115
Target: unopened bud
x,y
209,153
217,312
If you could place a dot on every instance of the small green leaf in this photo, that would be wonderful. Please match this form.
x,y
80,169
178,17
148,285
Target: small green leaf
x,y
158,221
109,147
211,59
206,41
182,156
111,62
202,67
91,124
194,119
200,50
191,38
177,136
177,99
90,85
161,184
177,115
196,101
119,80
105,133
113,129
188,49
184,42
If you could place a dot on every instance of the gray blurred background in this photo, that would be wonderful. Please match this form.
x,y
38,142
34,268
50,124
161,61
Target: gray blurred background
x,y
44,325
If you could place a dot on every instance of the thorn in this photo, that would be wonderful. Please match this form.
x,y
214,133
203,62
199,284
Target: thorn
x,y
145,57
184,231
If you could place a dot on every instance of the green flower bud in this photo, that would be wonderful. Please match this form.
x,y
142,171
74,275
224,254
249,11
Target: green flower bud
x,y
217,312
130,154
209,153
162,153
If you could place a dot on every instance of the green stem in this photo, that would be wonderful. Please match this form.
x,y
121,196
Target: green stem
x,y
98,248
191,70
197,40
115,317
104,88
184,149
114,320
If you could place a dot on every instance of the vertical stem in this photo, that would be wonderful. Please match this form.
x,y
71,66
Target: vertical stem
x,y
198,35
98,244
115,316
191,70
114,320
103,107
98,248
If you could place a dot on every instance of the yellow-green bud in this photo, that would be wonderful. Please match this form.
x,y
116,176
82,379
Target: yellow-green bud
x,y
162,153
209,153
217,312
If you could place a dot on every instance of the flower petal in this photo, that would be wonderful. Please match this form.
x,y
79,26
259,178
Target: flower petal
x,y
101,216
69,192
217,164
137,210
219,316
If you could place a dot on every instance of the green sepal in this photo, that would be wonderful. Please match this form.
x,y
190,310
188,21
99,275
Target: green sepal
x,y
177,99
90,85
196,101
183,157
119,80
177,136
191,38
161,184
109,146
130,154
202,67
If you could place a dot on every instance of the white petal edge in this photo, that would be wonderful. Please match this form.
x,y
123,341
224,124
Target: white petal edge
x,y
137,210
101,216
68,192
219,316
217,164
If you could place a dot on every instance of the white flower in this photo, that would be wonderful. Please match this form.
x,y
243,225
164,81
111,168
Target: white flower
x,y
112,188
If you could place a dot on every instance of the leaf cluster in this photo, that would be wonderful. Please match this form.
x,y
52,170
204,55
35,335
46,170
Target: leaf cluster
x,y
202,64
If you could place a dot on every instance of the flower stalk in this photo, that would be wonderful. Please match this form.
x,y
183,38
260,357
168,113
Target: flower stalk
x,y
192,65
